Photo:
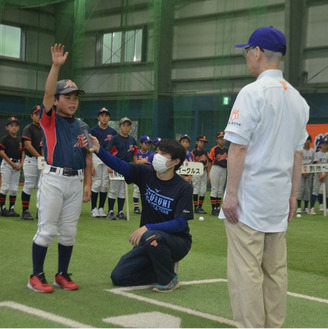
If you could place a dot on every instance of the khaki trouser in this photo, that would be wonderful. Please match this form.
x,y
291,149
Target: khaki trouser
x,y
257,276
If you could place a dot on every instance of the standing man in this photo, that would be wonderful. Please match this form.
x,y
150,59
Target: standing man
x,y
32,139
267,130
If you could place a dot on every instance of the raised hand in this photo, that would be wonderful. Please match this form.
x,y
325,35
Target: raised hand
x,y
58,55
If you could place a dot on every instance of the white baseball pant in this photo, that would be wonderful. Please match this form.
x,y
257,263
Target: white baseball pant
x,y
117,189
200,184
218,177
31,174
101,177
10,178
59,202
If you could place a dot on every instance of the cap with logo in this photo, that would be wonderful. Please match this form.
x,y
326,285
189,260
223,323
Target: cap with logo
x,y
36,108
12,119
156,140
267,38
325,140
220,134
202,138
67,86
103,110
125,119
184,136
145,139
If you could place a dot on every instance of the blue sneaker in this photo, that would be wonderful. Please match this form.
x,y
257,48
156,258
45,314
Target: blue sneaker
x,y
174,284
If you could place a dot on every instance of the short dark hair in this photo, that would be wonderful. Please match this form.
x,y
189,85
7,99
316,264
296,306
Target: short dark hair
x,y
174,148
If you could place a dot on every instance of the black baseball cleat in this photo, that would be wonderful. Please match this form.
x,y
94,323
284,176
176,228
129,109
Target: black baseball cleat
x,y
120,215
111,215
26,215
137,210
200,210
12,213
4,212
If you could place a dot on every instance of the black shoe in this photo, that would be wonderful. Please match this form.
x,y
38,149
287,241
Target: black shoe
x,y
111,215
27,215
12,213
4,212
214,212
200,210
120,215
137,210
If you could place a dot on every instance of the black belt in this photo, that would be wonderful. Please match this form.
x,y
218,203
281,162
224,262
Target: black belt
x,y
15,160
66,171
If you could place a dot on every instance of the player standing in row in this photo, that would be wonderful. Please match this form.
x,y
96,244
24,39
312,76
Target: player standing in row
x,y
100,177
12,153
319,178
68,168
32,139
217,171
141,158
200,182
185,142
124,147
304,190
155,142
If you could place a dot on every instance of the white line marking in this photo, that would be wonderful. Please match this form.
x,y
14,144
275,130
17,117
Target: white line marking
x,y
315,299
45,315
124,292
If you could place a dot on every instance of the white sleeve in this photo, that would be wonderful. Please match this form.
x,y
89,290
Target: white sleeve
x,y
245,113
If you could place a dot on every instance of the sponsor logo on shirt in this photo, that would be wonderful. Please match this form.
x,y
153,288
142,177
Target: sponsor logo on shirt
x,y
157,201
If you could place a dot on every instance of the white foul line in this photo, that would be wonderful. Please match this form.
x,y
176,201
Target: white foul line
x,y
315,299
124,292
45,315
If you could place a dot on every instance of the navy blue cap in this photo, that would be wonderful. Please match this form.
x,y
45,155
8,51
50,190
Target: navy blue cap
x,y
184,136
103,110
145,139
267,38
156,140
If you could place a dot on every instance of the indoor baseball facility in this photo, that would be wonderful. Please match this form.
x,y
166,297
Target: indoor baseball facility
x,y
168,69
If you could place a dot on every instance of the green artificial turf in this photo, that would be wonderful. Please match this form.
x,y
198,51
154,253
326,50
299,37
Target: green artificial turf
x,y
100,244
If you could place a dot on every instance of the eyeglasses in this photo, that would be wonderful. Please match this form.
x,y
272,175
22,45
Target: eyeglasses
x,y
245,51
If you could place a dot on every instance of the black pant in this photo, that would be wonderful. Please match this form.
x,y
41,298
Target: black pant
x,y
152,261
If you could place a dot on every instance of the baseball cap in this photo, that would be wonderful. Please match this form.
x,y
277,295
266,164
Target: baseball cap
x,y
12,119
184,136
202,138
67,86
125,119
325,140
145,139
310,138
267,38
36,108
103,110
220,134
156,140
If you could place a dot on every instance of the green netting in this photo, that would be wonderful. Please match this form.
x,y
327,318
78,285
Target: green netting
x,y
188,61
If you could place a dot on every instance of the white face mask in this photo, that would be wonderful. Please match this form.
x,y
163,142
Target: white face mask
x,y
159,163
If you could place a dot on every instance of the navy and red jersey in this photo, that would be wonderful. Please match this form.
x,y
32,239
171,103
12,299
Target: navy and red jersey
x,y
33,133
62,141
123,147
103,135
219,156
200,156
12,146
141,155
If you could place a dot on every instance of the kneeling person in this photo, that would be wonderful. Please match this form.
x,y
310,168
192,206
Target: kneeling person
x,y
163,237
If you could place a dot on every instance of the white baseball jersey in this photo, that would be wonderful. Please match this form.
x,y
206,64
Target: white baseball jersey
x,y
269,116
308,156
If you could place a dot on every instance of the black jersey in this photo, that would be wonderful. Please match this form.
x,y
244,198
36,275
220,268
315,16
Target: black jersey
x,y
219,156
200,156
33,133
12,146
162,201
